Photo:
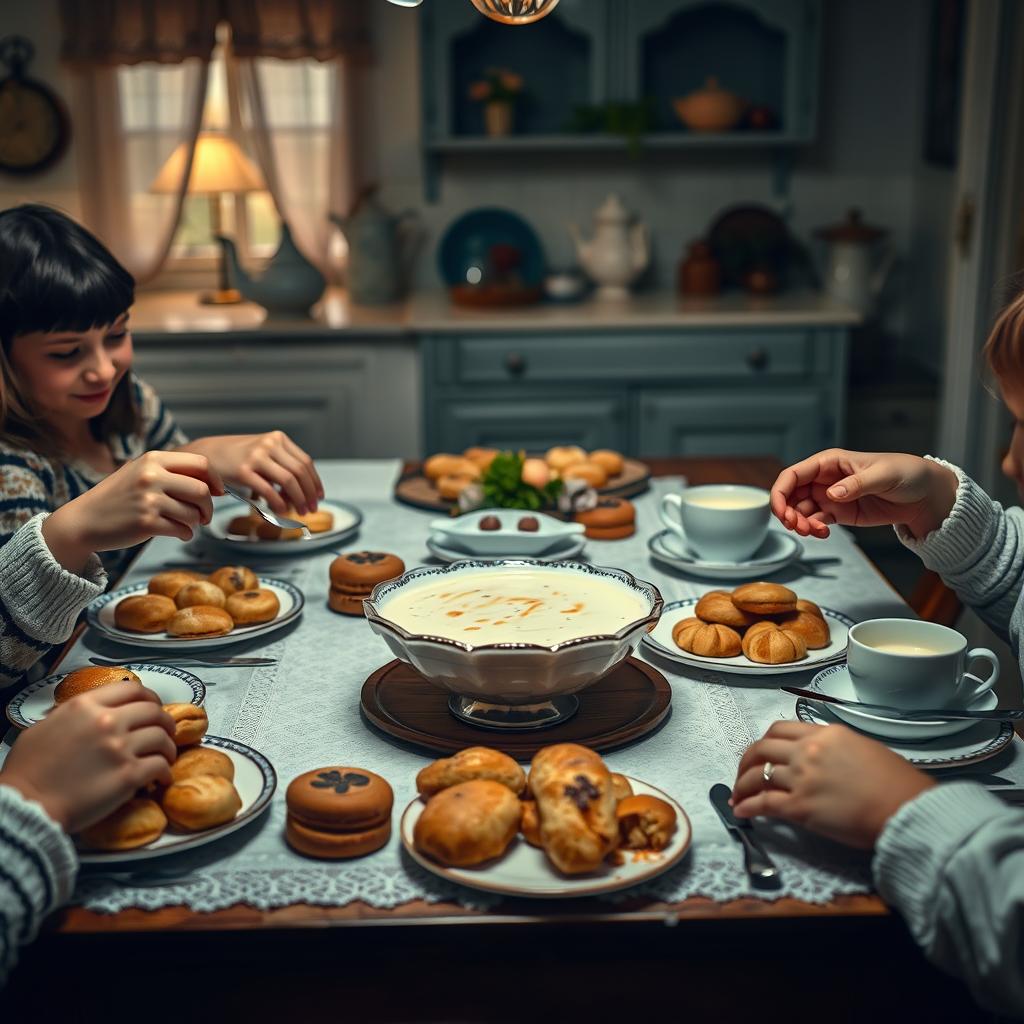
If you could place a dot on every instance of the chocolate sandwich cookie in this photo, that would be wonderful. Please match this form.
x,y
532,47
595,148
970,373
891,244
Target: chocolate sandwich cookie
x,y
609,519
353,577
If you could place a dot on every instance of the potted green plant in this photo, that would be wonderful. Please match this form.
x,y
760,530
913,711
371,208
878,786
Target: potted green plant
x,y
498,90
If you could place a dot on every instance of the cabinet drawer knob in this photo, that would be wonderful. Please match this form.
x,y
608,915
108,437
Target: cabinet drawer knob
x,y
757,359
515,363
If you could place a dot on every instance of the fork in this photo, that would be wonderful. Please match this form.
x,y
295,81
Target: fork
x,y
281,522
182,659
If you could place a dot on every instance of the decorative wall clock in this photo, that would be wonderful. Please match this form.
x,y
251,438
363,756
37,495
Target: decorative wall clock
x,y
34,125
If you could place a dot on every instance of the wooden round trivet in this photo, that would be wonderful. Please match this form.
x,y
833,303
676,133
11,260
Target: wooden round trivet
x,y
623,707
416,490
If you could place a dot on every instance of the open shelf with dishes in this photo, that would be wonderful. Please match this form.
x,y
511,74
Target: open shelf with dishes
x,y
600,75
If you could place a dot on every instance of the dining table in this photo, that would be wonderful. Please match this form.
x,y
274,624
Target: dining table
x,y
246,928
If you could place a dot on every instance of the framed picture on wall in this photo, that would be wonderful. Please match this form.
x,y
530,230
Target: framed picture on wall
x,y
945,72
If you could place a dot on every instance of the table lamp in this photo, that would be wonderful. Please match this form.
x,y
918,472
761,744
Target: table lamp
x,y
218,166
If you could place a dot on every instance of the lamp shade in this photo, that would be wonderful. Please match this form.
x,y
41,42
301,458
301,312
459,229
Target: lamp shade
x,y
219,165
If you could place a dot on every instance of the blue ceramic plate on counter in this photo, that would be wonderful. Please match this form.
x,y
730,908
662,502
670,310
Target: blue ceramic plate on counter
x,y
469,239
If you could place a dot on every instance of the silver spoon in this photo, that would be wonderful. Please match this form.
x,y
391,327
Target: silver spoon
x,y
275,520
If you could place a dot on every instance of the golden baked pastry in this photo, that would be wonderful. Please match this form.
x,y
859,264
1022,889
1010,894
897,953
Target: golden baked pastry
x,y
576,805
243,526
591,472
483,457
144,613
190,723
320,521
169,583
268,531
442,464
706,639
201,802
717,606
199,592
202,761
133,824
764,598
774,646
621,786
562,457
450,486
234,578
468,824
529,826
252,606
200,620
471,763
645,823
83,679
611,462
812,628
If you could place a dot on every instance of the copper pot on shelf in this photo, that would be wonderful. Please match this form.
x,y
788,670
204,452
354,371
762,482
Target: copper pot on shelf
x,y
700,273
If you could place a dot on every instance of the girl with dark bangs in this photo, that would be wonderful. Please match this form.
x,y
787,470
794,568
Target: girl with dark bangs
x,y
71,410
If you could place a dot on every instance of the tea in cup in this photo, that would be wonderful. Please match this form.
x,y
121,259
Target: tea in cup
x,y
910,664
718,522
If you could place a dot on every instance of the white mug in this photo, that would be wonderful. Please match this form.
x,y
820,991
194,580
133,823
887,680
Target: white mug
x,y
910,664
718,522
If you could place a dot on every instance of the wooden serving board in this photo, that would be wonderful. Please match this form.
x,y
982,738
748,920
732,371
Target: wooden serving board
x,y
415,489
625,706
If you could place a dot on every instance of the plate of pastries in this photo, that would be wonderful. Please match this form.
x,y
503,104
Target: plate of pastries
x,y
438,483
182,607
238,526
757,629
566,827
172,685
218,785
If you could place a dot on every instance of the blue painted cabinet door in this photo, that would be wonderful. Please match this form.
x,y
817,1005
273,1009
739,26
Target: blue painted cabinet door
x,y
787,424
531,423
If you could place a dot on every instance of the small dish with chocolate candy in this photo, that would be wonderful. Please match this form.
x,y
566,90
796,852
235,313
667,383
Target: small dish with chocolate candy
x,y
491,532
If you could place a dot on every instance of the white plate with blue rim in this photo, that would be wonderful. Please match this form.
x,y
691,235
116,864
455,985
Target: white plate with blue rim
x,y
100,617
171,685
506,533
779,550
440,546
978,742
347,520
660,641
255,780
836,682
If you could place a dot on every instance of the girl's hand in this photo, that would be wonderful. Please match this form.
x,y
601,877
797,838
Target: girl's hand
x,y
271,465
863,489
88,756
826,778
158,494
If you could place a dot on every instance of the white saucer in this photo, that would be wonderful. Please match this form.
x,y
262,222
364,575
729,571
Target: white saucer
x,y
979,742
441,547
778,550
836,682
660,641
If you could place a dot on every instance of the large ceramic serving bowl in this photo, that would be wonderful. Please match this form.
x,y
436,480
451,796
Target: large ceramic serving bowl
x,y
513,672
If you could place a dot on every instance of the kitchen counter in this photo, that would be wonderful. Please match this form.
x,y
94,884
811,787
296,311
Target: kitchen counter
x,y
168,315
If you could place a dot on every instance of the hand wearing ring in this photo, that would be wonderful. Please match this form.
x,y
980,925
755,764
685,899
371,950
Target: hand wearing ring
x,y
767,771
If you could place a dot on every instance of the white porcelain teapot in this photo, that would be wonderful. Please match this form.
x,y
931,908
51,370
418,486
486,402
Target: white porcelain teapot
x,y
857,264
617,253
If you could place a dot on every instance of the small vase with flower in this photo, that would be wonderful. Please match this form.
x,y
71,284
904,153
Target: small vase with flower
x,y
498,90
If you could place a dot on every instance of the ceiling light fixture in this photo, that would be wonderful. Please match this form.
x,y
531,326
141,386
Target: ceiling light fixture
x,y
508,12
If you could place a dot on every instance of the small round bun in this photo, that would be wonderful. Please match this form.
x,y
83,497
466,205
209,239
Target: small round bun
x,y
471,763
529,824
812,628
252,606
764,598
442,464
717,606
706,639
84,679
234,578
169,583
560,458
482,457
199,592
611,462
645,823
190,723
621,786
201,802
590,472
202,761
808,606
134,824
774,646
200,620
468,824
144,613
451,485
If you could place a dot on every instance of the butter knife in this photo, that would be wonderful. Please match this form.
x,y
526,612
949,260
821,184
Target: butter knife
x,y
762,871
918,715
182,660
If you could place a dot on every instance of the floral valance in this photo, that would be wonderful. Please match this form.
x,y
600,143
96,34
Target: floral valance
x,y
171,31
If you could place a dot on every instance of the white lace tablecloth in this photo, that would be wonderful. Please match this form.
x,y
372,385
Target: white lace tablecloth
x,y
303,712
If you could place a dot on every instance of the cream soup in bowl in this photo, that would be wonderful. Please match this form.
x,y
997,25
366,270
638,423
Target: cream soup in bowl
x,y
513,631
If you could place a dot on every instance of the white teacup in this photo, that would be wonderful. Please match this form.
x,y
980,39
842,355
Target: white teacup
x,y
910,664
718,522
